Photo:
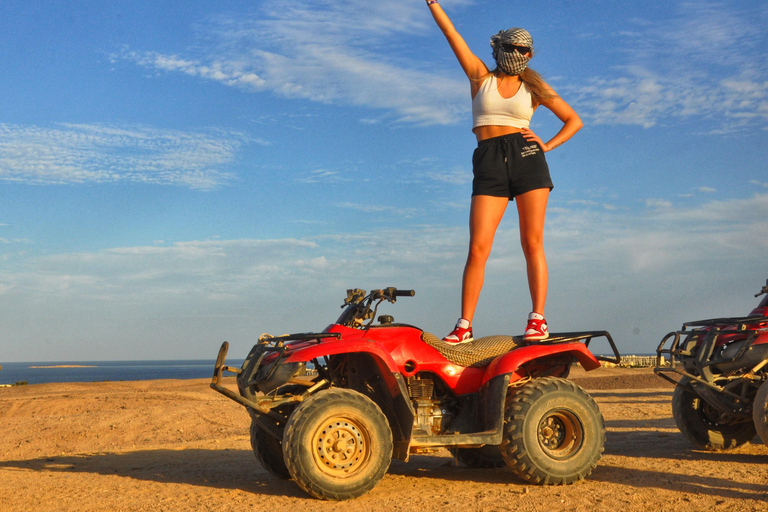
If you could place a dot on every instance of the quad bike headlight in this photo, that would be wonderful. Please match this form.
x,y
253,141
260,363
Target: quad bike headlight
x,y
279,375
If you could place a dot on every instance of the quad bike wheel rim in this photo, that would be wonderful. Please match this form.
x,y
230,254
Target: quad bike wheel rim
x,y
560,434
342,447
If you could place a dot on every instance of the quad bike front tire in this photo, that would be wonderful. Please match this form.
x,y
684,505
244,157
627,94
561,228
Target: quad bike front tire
x,y
554,432
337,444
267,448
760,412
700,424
269,451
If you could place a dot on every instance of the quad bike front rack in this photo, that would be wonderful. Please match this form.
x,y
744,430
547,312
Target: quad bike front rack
x,y
216,382
263,405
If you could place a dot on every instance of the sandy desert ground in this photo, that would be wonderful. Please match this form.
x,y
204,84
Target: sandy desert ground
x,y
178,446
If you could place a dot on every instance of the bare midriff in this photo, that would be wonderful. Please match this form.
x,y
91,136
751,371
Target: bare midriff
x,y
488,132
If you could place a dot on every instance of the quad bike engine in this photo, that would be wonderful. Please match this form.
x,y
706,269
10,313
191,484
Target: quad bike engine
x,y
430,413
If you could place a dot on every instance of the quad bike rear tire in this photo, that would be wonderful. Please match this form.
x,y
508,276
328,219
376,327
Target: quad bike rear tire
x,y
554,432
267,448
486,457
337,444
699,422
760,412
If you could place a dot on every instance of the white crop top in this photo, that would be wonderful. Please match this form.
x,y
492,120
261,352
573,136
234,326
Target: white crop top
x,y
489,108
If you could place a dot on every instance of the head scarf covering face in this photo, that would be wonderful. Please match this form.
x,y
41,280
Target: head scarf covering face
x,y
511,63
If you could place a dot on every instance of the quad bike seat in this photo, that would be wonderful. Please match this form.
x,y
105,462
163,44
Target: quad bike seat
x,y
477,353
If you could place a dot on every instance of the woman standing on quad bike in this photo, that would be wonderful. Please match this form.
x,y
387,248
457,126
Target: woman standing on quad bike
x,y
508,163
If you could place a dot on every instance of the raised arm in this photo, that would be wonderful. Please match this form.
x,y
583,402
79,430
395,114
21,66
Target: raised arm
x,y
472,66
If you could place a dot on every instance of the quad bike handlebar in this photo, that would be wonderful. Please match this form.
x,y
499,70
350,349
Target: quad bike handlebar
x,y
357,305
358,296
764,290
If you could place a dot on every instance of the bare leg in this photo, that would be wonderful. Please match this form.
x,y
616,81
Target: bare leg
x,y
531,208
484,217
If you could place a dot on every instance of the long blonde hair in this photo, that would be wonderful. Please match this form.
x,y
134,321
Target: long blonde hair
x,y
540,91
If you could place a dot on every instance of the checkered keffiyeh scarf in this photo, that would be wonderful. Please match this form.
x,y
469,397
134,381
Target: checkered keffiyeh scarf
x,y
512,63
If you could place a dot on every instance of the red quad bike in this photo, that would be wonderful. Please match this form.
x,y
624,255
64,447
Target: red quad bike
x,y
721,366
391,390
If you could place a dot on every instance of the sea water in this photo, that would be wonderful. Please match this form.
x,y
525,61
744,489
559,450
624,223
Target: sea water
x,y
99,371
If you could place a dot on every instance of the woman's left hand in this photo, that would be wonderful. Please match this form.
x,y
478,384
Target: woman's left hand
x,y
532,137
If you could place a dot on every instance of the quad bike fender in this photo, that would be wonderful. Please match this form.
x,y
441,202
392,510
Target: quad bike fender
x,y
355,346
512,362
370,366
377,359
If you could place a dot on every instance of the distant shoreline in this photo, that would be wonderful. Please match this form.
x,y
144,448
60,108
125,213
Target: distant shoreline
x,y
65,366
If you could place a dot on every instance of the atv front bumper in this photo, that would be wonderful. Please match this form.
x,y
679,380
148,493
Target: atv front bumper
x,y
254,376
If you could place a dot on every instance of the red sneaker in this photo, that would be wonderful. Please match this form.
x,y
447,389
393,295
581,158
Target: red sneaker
x,y
536,330
462,333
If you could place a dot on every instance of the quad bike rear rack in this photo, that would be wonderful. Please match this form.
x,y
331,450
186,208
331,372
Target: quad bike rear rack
x,y
683,343
586,337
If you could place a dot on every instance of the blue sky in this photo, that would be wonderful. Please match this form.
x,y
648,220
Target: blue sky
x,y
175,174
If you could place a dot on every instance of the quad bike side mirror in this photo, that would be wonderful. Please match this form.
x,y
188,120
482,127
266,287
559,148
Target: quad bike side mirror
x,y
764,290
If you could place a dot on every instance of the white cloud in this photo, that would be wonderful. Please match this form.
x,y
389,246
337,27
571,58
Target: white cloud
x,y
658,203
323,176
328,52
636,276
449,176
81,153
13,240
708,61
586,202
380,208
434,171
230,73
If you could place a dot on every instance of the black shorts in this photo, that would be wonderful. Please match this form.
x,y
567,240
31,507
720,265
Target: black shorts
x,y
508,166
